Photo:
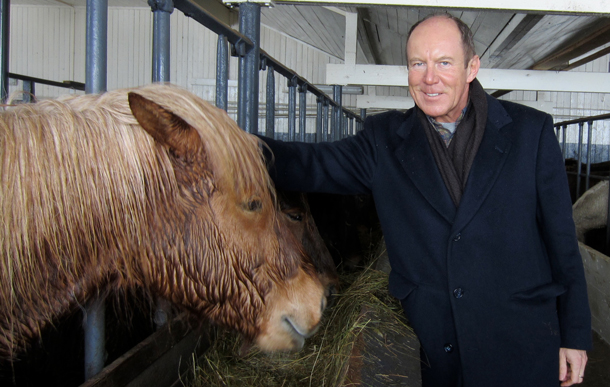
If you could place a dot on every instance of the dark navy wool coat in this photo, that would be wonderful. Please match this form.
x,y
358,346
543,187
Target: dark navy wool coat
x,y
492,288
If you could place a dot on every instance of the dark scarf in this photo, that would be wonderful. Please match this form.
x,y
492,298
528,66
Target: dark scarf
x,y
454,162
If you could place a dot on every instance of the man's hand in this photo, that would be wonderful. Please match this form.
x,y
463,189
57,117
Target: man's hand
x,y
572,363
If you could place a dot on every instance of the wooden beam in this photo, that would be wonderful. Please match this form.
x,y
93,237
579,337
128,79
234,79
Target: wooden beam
x,y
512,33
590,40
160,351
583,7
364,25
399,103
492,79
351,36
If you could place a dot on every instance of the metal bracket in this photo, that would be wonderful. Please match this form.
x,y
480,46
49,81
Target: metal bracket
x,y
161,5
293,82
235,3
240,48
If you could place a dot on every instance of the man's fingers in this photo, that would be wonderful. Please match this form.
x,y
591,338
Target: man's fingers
x,y
563,365
572,365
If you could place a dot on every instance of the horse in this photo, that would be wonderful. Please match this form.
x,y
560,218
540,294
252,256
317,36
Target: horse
x,y
149,188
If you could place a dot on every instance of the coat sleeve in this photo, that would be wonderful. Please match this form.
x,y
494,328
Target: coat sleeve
x,y
342,167
557,227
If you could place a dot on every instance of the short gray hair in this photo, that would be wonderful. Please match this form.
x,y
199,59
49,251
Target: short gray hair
x,y
467,37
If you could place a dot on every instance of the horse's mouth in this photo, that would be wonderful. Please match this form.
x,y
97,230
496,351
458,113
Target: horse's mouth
x,y
297,333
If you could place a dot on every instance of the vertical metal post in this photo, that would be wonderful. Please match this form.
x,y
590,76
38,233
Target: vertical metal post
x,y
95,82
270,113
362,118
608,229
5,8
162,10
249,65
222,73
579,155
337,113
319,107
563,142
29,91
302,111
97,38
589,135
292,108
325,120
351,126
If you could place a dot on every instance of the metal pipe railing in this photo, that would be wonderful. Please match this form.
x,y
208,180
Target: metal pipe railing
x,y
95,82
162,9
5,6
222,73
563,126
302,111
249,66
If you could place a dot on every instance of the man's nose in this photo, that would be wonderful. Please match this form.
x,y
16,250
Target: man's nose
x,y
430,75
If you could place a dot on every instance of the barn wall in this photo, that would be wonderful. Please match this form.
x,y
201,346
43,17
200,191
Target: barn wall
x,y
41,45
569,106
49,42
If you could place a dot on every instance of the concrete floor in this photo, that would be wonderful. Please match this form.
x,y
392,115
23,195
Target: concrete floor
x,y
597,373
396,363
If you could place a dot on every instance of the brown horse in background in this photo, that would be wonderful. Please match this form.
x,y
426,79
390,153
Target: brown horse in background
x,y
151,188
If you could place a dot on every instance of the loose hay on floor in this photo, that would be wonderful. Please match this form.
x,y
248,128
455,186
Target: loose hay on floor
x,y
363,305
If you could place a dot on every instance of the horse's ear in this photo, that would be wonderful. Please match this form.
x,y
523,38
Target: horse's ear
x,y
166,128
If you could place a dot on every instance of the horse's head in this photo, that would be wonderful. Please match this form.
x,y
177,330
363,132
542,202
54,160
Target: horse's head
x,y
222,248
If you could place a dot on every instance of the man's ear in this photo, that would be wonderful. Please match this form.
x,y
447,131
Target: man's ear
x,y
473,68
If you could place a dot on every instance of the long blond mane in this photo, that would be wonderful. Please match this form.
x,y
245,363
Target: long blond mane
x,y
78,174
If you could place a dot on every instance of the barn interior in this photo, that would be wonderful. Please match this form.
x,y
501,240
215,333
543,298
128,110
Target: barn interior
x,y
550,55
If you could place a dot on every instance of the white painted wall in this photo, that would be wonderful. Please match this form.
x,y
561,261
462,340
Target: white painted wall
x,y
42,44
49,42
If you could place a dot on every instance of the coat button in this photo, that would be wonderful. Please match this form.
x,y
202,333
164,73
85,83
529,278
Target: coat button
x,y
458,293
448,348
457,237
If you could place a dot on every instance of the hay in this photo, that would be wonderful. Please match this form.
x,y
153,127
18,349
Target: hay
x,y
364,306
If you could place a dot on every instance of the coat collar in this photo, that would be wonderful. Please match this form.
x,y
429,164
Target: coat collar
x,y
416,158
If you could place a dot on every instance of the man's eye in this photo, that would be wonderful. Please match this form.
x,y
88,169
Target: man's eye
x,y
445,63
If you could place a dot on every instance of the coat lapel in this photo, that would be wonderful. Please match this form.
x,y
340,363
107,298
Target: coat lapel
x,y
487,164
417,160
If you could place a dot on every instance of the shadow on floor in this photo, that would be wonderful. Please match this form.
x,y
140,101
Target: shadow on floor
x,y
597,373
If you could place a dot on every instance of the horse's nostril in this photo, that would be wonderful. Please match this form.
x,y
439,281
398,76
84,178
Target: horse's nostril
x,y
330,298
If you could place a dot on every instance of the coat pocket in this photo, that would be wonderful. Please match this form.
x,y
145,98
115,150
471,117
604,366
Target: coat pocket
x,y
540,293
399,286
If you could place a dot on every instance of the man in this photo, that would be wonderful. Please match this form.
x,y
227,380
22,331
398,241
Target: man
x,y
472,197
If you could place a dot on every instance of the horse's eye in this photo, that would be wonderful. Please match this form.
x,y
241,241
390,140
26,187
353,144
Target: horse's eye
x,y
254,205
297,217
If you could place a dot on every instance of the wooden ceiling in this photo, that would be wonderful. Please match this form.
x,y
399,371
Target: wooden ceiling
x,y
503,39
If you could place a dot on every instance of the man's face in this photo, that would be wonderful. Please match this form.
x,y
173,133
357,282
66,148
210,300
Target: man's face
x,y
438,79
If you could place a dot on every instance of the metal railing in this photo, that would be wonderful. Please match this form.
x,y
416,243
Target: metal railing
x,y
344,122
29,85
561,129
